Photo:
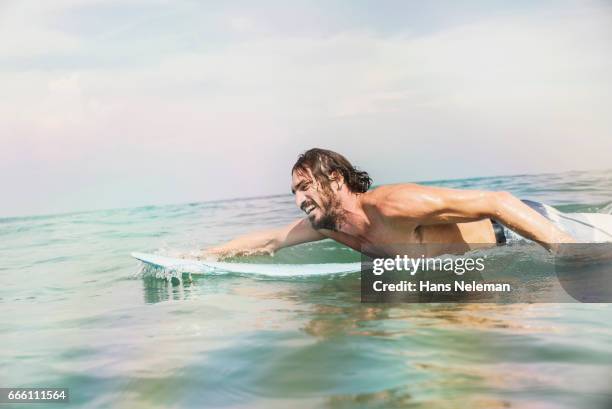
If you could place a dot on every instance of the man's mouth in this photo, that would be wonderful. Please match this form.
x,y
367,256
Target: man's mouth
x,y
309,208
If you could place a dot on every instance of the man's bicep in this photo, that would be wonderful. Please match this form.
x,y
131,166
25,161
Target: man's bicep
x,y
458,205
300,231
434,205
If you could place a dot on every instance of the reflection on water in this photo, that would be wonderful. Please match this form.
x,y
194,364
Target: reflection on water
x,y
344,353
157,290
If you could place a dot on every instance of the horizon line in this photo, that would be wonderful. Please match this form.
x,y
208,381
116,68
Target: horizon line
x,y
4,219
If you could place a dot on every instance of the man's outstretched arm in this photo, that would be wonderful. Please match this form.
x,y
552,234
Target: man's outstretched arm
x,y
268,241
432,205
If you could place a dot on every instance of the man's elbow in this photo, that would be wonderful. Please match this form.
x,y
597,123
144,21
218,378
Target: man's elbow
x,y
499,201
274,242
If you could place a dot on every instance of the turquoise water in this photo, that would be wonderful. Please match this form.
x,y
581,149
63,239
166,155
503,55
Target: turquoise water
x,y
78,313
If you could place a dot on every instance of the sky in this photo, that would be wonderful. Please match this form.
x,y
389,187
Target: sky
x,y
120,103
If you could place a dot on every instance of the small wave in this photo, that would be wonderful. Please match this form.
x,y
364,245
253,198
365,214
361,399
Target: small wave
x,y
147,270
607,209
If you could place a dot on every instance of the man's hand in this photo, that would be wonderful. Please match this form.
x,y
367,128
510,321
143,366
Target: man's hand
x,y
559,247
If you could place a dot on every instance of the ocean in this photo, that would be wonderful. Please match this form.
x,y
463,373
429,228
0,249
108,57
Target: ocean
x,y
78,312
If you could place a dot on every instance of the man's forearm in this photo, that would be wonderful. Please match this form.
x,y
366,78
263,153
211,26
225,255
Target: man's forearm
x,y
268,241
516,215
255,243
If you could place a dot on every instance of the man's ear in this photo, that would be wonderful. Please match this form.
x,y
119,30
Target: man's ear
x,y
337,179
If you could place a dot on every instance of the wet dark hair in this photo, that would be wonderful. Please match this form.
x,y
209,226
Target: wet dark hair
x,y
323,162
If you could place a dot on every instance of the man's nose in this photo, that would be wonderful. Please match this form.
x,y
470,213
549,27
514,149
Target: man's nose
x,y
299,199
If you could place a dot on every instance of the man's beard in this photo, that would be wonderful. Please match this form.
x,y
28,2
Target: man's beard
x,y
329,221
333,215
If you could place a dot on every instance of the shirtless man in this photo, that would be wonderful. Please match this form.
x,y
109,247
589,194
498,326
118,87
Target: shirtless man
x,y
389,219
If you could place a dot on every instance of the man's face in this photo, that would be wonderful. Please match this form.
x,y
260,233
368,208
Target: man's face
x,y
316,200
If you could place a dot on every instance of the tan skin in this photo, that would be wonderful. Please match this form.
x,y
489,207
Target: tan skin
x,y
389,219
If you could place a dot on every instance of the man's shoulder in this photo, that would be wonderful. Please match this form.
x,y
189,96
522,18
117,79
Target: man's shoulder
x,y
391,200
382,194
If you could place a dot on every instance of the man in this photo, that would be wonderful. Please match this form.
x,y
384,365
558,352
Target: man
x,y
389,219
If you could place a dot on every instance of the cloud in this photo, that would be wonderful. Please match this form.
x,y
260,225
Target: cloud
x,y
496,85
25,32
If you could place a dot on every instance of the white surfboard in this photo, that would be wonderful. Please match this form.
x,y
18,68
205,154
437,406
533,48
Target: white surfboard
x,y
193,266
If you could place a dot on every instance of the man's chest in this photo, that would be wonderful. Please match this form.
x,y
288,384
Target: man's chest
x,y
378,239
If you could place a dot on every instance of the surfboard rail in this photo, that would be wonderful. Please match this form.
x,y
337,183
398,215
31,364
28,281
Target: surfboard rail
x,y
194,266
